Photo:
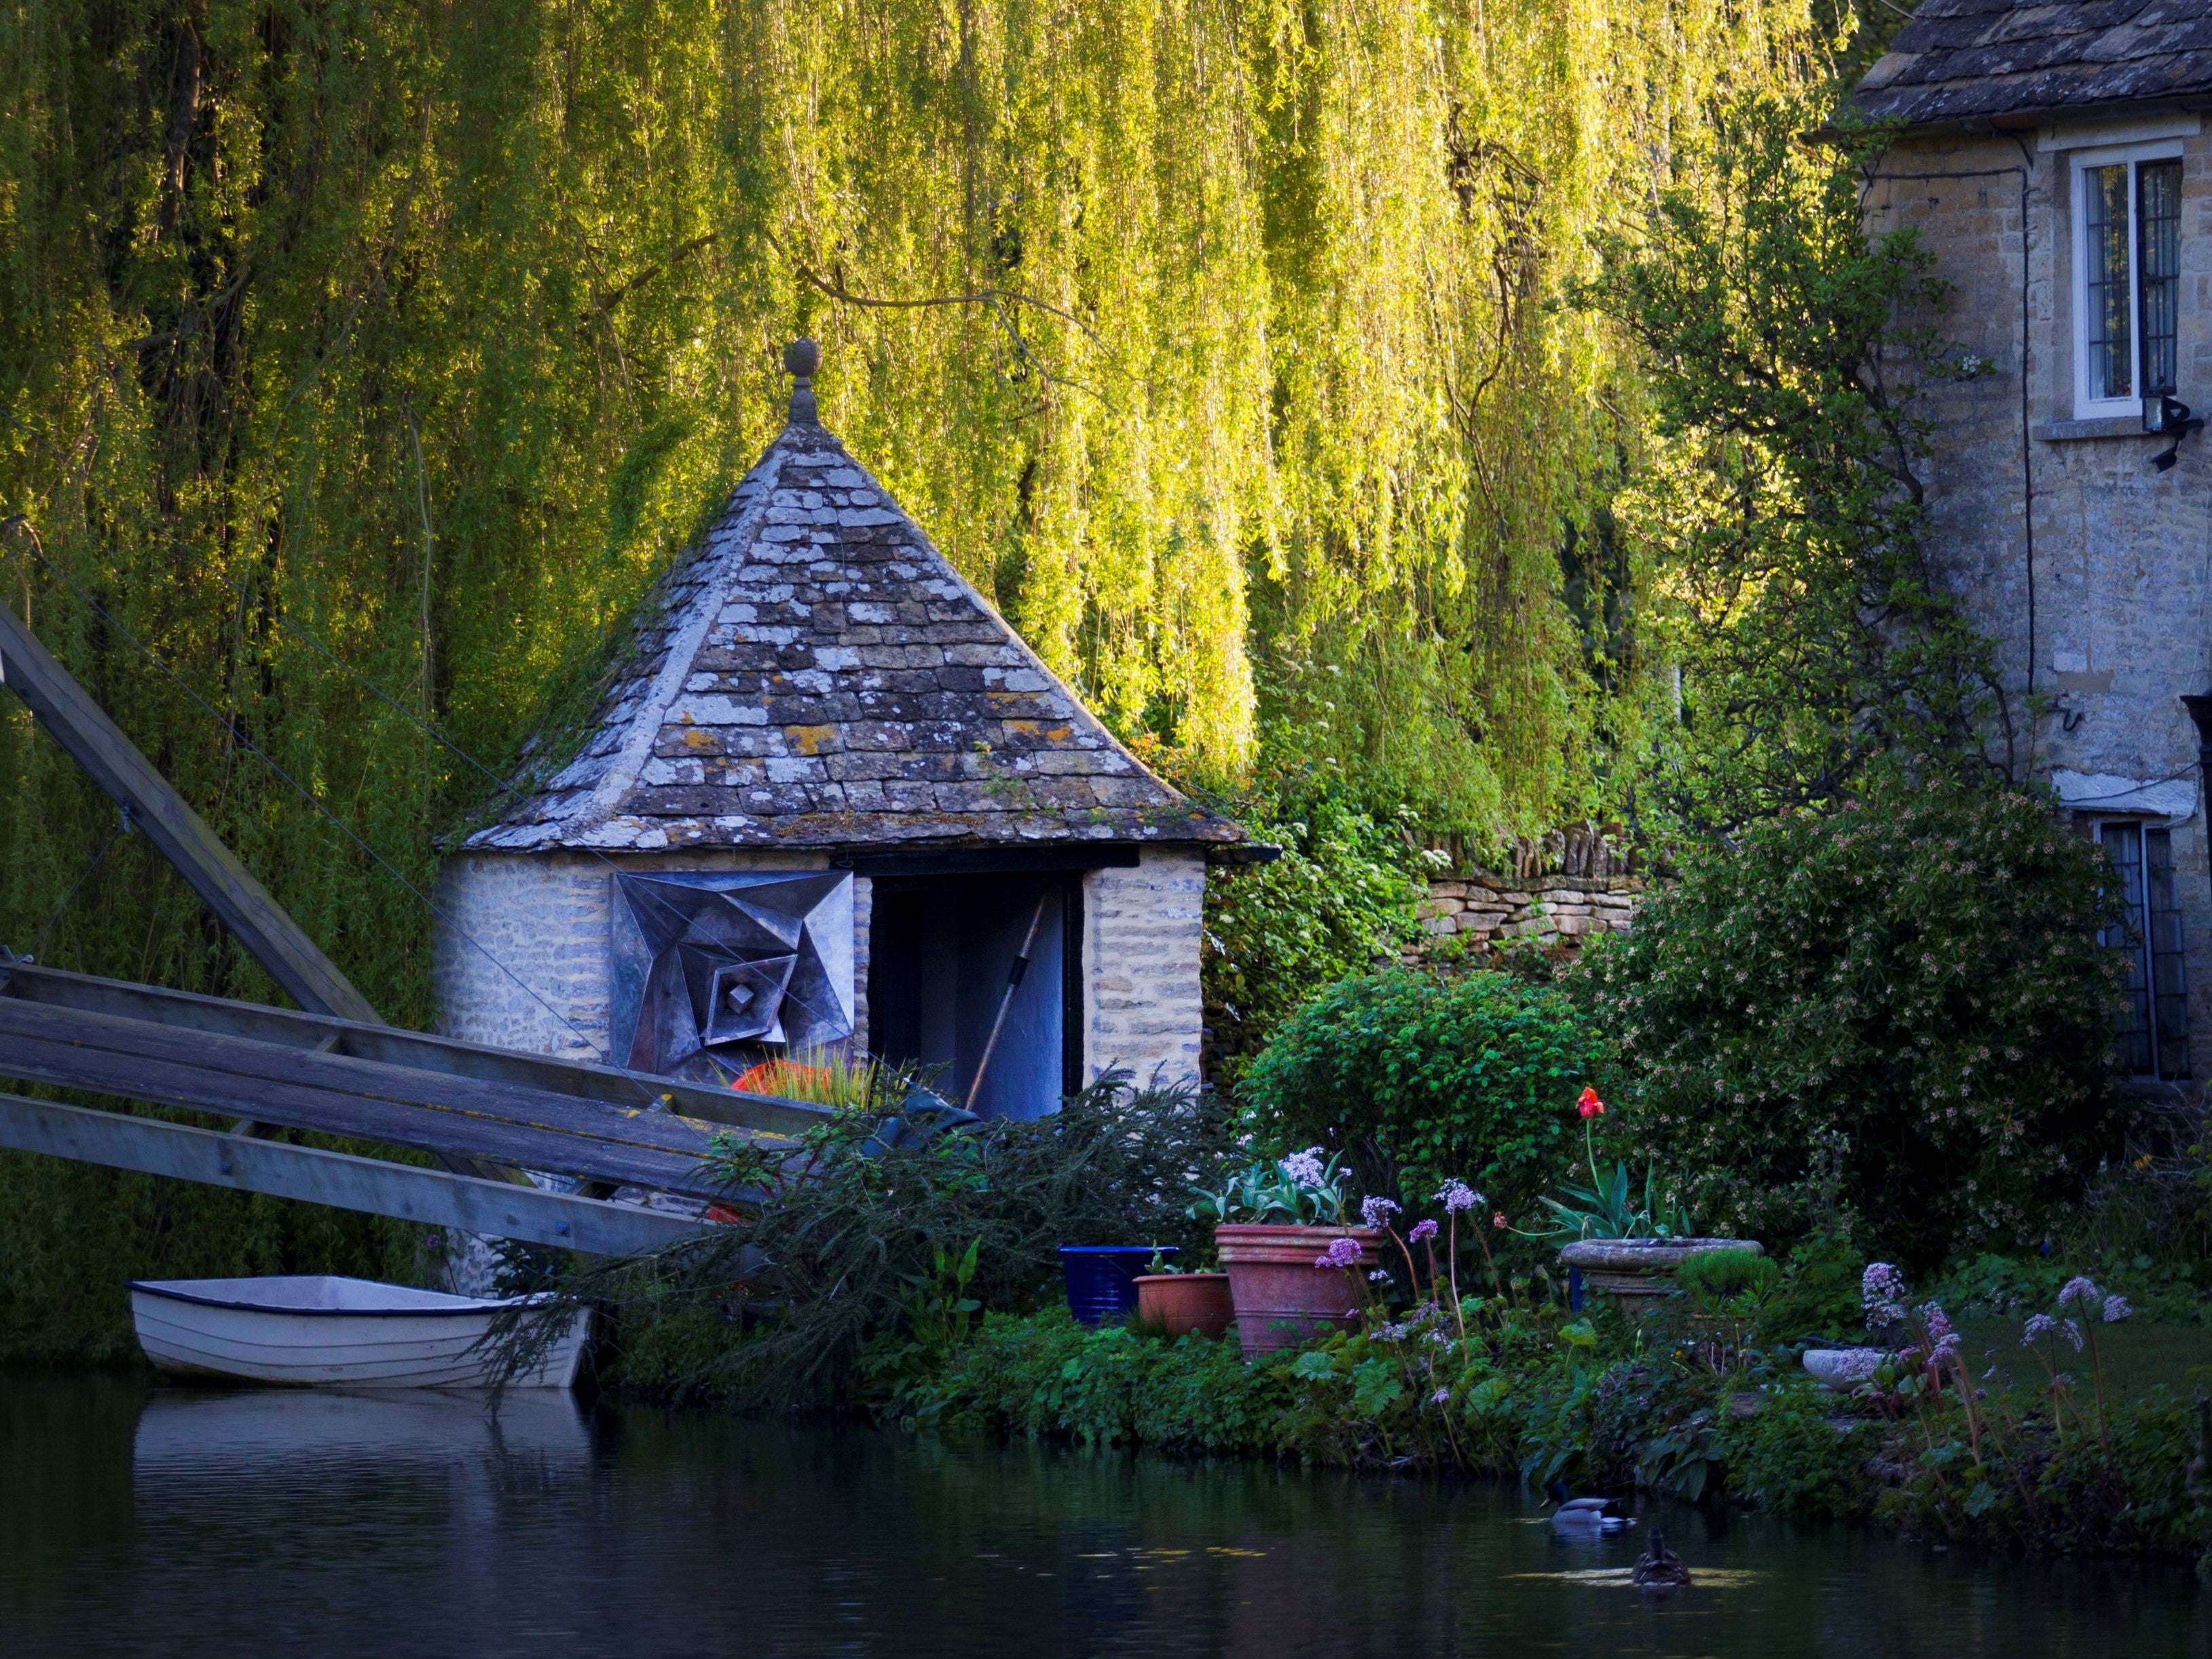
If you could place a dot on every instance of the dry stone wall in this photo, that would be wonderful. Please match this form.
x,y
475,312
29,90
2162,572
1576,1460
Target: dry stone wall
x,y
1483,910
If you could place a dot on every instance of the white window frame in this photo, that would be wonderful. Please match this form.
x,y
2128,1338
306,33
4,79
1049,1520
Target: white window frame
x,y
2087,408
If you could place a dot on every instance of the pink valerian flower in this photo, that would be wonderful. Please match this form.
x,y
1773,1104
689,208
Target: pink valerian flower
x,y
2042,1325
1305,1169
1422,1230
1377,1211
1340,1252
1942,1339
1377,1276
1457,1196
2116,1308
1390,1332
1882,1293
1440,1397
2083,1290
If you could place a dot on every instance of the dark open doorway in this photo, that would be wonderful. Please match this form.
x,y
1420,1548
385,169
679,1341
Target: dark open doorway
x,y
940,949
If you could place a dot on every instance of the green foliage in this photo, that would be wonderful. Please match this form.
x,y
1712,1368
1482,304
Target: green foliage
x,y
1048,1377
1270,1189
1819,1296
1343,893
1421,1077
1895,1012
851,1248
1717,1280
1780,507
1790,1459
1610,1207
1214,346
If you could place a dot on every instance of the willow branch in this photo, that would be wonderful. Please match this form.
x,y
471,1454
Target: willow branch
x,y
996,300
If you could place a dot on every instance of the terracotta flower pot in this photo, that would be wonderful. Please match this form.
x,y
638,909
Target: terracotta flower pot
x,y
1179,1303
1281,1298
1637,1272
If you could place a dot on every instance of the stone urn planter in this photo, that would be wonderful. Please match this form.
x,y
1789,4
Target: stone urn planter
x,y
1175,1304
1842,1368
1280,1296
1637,1273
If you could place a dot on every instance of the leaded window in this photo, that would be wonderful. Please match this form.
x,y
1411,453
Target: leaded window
x,y
2130,265
2155,1028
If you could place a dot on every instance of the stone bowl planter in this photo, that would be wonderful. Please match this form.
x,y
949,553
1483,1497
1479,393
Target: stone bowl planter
x,y
1636,1273
1175,1304
1280,1297
1842,1368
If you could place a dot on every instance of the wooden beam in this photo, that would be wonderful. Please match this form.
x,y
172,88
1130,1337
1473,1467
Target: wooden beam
x,y
244,906
366,1100
394,1046
431,1197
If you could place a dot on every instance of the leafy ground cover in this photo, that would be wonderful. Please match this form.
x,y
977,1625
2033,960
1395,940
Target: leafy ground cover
x,y
1588,1405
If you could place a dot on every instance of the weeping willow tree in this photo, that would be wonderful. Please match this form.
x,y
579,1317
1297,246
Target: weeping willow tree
x,y
362,365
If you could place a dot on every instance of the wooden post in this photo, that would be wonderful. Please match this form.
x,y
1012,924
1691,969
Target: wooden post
x,y
244,906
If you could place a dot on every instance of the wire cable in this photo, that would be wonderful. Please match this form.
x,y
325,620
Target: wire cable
x,y
123,828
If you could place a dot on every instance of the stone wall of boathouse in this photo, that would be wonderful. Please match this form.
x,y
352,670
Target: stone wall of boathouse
x,y
542,979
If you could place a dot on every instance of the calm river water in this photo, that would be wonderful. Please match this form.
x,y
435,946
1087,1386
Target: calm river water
x,y
169,1521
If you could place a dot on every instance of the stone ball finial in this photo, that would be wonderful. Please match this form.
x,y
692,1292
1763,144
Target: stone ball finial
x,y
800,359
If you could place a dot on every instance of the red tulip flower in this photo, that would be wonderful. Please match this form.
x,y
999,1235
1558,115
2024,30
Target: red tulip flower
x,y
1589,1105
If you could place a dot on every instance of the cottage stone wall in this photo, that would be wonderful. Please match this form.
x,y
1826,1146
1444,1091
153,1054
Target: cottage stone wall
x,y
1141,933
2091,571
1482,910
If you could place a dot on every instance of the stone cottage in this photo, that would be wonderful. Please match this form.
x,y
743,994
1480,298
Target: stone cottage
x,y
2056,159
833,802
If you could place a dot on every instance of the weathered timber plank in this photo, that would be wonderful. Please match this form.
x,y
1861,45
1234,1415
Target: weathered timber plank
x,y
244,906
432,1197
394,1046
367,1080
43,1057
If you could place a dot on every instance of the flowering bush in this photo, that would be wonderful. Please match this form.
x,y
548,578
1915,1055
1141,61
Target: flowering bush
x,y
1896,1012
1418,1077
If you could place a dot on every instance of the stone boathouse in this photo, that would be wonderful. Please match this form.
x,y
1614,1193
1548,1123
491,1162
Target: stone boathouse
x,y
2054,159
831,801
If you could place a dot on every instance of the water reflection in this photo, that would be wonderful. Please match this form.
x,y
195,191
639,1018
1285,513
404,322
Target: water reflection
x,y
192,1523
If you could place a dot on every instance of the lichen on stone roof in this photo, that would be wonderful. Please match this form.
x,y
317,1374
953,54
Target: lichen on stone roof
x,y
1970,61
814,673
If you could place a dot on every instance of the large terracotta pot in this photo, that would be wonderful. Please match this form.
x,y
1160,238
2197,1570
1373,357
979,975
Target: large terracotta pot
x,y
1176,1305
1636,1273
1281,1298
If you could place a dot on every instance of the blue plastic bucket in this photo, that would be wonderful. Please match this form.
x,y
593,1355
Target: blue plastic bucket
x,y
1102,1278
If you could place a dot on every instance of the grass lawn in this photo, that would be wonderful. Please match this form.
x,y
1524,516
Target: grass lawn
x,y
2138,1355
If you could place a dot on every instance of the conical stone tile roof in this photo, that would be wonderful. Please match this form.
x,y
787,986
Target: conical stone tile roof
x,y
814,673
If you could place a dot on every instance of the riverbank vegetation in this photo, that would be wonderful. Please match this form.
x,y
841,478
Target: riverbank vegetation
x,y
1412,430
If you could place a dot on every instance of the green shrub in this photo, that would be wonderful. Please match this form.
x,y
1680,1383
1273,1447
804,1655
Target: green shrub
x,y
1819,1295
1044,1376
1418,1078
1716,1277
1791,1460
1896,1011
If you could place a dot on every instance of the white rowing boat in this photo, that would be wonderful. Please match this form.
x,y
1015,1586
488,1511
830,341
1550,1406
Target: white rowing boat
x,y
320,1329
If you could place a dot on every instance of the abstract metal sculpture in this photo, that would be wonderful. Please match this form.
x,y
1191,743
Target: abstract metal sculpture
x,y
713,968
